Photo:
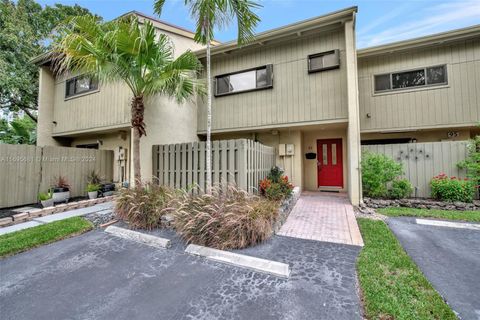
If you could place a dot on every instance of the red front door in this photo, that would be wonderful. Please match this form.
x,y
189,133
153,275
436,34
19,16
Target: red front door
x,y
330,163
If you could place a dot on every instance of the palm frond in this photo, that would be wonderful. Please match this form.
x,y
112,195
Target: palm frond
x,y
125,50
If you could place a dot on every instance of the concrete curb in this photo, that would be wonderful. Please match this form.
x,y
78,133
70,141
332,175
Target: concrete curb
x,y
239,260
448,224
136,236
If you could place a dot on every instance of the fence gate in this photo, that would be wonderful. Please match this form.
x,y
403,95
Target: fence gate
x,y
422,161
243,162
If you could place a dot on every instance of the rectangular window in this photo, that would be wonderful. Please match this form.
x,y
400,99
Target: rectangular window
x,y
422,77
324,61
79,85
244,81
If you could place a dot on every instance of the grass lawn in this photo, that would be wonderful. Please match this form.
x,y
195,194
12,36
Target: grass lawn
x,y
22,240
471,216
392,285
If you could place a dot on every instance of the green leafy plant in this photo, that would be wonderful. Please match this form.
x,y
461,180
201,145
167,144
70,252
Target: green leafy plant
x,y
43,196
377,171
91,187
144,205
452,188
472,162
225,219
401,188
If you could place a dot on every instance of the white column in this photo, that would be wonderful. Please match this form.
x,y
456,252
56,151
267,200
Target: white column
x,y
353,131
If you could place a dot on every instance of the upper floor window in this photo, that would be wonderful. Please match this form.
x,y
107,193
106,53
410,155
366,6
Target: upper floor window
x,y
243,81
421,77
324,61
79,85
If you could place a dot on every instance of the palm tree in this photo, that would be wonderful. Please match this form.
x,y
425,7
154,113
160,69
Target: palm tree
x,y
125,50
209,15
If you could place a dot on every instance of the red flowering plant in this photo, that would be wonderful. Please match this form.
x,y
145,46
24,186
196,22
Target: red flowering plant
x,y
276,185
452,189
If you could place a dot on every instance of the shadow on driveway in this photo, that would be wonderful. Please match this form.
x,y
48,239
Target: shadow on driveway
x,y
99,276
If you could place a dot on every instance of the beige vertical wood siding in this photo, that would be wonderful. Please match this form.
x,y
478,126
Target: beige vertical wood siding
x,y
110,105
242,162
457,104
26,170
422,161
296,95
107,107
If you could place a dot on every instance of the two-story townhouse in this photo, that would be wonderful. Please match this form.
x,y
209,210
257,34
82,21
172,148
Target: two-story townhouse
x,y
294,88
76,112
297,88
425,89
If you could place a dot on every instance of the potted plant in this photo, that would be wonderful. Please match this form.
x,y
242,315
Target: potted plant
x,y
92,190
61,190
46,199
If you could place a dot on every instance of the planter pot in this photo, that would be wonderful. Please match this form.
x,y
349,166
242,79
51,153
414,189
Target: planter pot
x,y
93,195
106,189
61,195
47,203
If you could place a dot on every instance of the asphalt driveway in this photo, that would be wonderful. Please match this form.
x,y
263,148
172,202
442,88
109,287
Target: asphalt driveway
x,y
99,276
449,258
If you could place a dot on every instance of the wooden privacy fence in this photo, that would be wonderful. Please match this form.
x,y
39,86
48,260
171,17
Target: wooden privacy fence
x,y
422,161
27,170
243,162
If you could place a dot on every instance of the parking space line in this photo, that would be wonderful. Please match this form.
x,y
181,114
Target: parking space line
x,y
449,224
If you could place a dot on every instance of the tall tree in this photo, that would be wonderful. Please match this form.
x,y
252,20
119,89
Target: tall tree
x,y
25,32
211,14
18,131
127,51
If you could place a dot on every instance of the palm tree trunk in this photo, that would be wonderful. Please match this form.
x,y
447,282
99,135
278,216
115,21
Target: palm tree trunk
x,y
209,116
138,126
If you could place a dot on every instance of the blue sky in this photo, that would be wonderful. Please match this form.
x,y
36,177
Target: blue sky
x,y
379,21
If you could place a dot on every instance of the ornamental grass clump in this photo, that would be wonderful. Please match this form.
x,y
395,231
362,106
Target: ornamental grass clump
x,y
144,206
225,219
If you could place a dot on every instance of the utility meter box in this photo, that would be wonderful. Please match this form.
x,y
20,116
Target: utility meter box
x,y
281,149
289,149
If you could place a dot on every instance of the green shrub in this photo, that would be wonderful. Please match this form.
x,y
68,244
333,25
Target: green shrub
x,y
143,206
42,196
401,188
472,162
377,171
452,188
91,187
229,219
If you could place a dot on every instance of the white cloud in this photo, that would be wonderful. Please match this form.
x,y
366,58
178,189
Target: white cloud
x,y
435,18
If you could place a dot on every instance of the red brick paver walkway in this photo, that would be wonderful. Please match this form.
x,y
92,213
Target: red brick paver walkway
x,y
323,217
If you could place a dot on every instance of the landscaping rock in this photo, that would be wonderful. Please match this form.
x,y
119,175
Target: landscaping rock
x,y
421,204
167,220
98,219
6,221
20,217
